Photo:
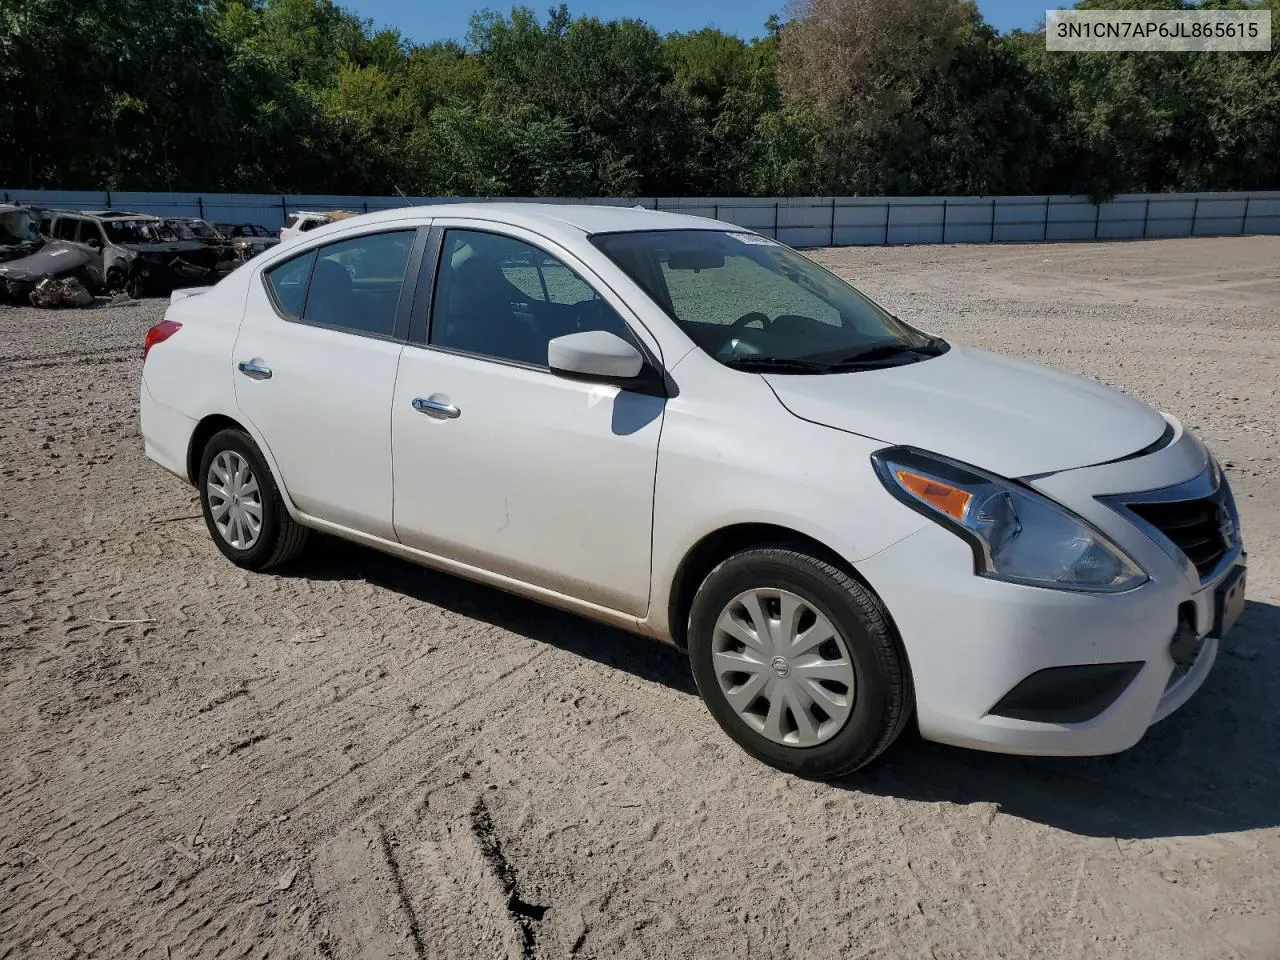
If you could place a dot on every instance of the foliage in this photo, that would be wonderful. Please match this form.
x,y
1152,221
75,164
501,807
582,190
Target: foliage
x,y
846,96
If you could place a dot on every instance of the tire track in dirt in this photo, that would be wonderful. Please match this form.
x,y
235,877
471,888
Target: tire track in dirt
x,y
181,929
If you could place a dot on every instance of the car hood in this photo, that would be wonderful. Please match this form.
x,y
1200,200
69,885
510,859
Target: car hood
x,y
166,247
54,258
1008,416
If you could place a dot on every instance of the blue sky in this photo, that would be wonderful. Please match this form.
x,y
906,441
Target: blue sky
x,y
425,20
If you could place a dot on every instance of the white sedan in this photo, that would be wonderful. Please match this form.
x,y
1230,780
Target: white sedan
x,y
682,428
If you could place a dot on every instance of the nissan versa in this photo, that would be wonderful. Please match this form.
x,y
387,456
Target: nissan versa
x,y
685,429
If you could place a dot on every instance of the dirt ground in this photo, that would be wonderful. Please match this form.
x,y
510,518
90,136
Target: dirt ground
x,y
361,758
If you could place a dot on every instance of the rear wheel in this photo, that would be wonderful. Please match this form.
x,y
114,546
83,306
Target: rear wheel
x,y
798,662
242,506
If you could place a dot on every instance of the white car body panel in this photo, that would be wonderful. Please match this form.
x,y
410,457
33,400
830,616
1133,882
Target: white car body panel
x,y
325,412
590,497
549,481
979,408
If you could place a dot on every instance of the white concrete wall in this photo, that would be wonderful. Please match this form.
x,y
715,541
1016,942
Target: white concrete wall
x,y
799,221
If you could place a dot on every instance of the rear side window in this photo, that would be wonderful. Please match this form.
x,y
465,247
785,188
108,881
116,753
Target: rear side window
x,y
292,221
90,232
353,285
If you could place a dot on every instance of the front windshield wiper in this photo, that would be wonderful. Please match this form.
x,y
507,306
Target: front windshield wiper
x,y
874,355
763,364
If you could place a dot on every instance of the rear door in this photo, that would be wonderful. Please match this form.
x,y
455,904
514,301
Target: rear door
x,y
315,366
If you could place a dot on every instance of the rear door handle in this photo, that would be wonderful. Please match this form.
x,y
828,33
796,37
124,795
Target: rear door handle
x,y
254,371
436,409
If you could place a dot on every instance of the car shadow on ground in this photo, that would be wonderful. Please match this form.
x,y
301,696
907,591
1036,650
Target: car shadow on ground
x,y
334,559
1212,767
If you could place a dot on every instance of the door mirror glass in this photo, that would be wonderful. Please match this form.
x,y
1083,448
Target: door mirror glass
x,y
594,355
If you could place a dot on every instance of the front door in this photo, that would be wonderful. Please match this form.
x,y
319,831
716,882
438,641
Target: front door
x,y
501,464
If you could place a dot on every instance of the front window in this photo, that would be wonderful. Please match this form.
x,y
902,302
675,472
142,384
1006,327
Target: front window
x,y
500,297
753,303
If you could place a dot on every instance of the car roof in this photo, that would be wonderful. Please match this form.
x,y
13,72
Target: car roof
x,y
108,215
587,218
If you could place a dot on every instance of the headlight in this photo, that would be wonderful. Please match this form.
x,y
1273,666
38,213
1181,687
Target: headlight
x,y
1016,534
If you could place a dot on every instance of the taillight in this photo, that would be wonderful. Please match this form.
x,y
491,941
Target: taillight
x,y
161,332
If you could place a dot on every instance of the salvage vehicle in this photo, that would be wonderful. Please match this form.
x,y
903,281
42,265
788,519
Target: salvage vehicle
x,y
193,228
247,240
304,221
18,234
55,260
133,252
688,430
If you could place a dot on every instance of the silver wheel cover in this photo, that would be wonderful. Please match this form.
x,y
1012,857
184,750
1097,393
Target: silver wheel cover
x,y
783,667
235,502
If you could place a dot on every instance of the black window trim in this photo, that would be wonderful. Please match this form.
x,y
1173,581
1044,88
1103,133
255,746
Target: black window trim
x,y
420,328
400,329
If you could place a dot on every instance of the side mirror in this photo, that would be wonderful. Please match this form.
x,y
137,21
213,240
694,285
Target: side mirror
x,y
594,355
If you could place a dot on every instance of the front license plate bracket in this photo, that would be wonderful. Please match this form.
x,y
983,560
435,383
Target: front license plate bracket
x,y
1228,602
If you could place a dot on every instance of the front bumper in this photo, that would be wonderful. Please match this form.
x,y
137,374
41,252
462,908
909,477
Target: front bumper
x,y
971,641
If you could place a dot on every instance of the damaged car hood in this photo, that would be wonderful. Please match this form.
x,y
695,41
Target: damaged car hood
x,y
1004,415
55,257
171,248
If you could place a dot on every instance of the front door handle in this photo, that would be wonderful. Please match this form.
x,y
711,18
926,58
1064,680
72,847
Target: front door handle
x,y
254,371
438,409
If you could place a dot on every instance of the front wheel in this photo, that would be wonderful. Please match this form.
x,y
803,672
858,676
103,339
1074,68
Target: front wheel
x,y
242,506
798,662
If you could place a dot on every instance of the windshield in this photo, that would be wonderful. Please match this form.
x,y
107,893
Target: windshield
x,y
742,297
16,226
198,230
132,231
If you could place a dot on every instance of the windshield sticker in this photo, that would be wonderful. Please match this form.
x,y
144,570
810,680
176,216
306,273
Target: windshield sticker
x,y
753,238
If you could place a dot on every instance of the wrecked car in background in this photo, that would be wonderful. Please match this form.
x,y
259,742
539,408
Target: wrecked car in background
x,y
247,240
133,252
18,234
57,260
211,235
305,221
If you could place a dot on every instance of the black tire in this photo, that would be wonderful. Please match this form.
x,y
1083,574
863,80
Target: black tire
x,y
883,696
281,538
114,281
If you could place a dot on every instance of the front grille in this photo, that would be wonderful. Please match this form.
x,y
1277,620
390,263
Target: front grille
x,y
1203,529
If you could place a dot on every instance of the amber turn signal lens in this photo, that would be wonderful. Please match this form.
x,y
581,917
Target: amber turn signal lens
x,y
949,499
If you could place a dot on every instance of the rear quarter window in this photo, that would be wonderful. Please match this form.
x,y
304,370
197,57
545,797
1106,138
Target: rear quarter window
x,y
288,284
